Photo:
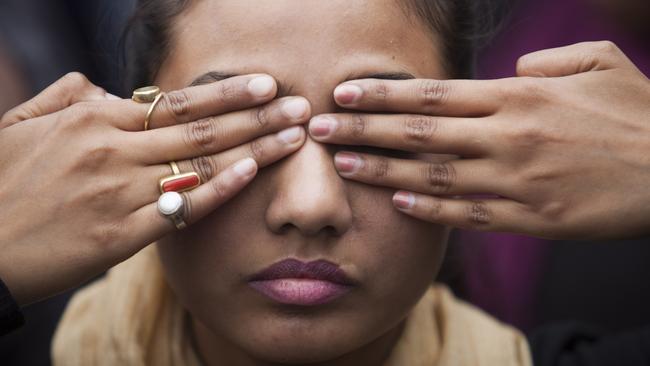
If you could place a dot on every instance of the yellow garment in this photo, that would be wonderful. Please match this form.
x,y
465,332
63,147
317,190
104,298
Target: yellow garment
x,y
131,318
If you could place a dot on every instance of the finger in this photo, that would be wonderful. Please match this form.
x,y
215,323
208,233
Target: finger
x,y
457,98
196,102
453,177
573,59
147,225
500,215
415,133
213,134
70,89
265,151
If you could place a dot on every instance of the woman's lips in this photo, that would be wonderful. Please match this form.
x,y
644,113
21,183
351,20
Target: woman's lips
x,y
298,283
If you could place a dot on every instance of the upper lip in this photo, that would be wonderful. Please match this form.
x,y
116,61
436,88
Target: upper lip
x,y
293,268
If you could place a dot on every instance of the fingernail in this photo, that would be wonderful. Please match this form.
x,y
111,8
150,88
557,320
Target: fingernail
x,y
322,126
246,167
348,163
291,135
348,93
296,108
261,86
404,200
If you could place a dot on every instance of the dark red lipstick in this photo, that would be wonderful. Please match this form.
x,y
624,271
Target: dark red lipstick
x,y
298,283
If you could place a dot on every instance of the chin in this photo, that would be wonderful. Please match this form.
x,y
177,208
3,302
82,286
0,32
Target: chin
x,y
298,339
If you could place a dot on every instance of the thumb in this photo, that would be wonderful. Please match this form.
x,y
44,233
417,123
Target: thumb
x,y
70,89
573,59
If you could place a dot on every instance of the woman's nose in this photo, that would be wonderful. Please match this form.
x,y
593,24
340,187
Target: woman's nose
x,y
311,197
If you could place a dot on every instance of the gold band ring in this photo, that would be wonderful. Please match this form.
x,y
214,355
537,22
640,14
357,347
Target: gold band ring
x,y
174,167
148,94
150,111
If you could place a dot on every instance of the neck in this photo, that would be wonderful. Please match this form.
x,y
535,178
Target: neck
x,y
216,351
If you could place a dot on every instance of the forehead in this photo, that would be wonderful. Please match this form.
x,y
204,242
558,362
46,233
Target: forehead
x,y
306,40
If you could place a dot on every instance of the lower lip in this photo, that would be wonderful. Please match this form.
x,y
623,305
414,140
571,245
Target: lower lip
x,y
297,291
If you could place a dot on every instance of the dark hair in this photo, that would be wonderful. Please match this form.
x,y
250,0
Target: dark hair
x,y
462,25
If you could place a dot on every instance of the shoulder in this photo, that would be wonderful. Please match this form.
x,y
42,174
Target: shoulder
x,y
112,317
471,335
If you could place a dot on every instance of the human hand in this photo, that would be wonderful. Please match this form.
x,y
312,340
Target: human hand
x,y
80,176
560,151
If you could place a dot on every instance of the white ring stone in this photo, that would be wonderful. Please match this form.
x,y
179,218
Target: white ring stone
x,y
170,203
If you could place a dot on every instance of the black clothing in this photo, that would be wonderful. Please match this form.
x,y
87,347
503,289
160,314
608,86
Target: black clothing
x,y
11,317
580,345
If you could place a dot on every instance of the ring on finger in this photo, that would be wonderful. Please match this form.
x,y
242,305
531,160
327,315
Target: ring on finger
x,y
148,94
171,205
178,182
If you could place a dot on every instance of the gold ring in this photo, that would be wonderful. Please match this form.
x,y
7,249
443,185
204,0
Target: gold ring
x,y
179,182
150,111
146,94
175,169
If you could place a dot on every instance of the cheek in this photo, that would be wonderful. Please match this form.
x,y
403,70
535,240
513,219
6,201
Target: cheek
x,y
205,263
400,253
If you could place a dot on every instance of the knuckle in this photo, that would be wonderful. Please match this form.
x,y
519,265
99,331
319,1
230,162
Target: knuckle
x,y
107,236
256,150
260,117
228,92
357,125
419,130
205,167
554,211
202,134
78,115
608,47
380,167
532,91
379,92
94,157
478,214
530,137
177,103
75,80
440,177
433,92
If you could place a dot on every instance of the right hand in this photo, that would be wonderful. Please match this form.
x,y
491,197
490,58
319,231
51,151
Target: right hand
x,y
80,177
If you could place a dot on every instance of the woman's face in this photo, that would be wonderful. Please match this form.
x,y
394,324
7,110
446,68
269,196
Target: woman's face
x,y
300,207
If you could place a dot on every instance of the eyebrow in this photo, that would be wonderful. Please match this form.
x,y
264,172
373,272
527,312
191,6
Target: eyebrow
x,y
285,90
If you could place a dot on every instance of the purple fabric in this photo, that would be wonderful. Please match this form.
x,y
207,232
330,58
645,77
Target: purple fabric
x,y
504,271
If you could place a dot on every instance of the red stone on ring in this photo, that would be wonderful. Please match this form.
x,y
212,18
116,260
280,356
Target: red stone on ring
x,y
180,183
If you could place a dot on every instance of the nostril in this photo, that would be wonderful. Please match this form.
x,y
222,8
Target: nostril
x,y
328,230
285,228
331,231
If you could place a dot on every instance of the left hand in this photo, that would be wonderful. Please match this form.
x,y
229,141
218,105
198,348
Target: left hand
x,y
561,151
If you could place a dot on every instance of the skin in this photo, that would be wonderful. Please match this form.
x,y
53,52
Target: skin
x,y
300,207
78,157
587,101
